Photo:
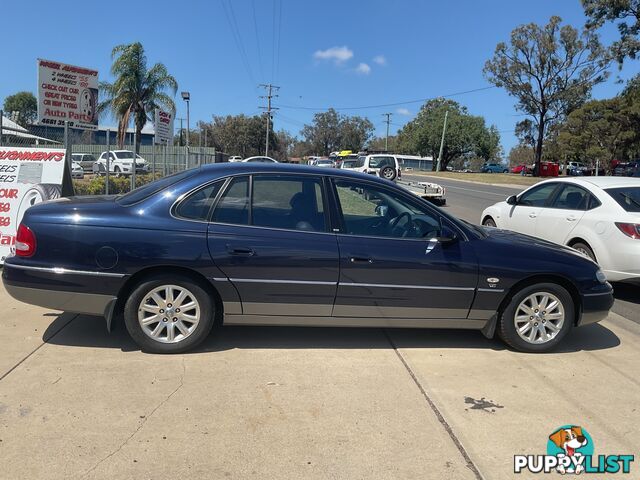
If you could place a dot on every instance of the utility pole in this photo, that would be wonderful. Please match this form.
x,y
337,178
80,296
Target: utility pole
x,y
269,88
444,130
181,132
388,121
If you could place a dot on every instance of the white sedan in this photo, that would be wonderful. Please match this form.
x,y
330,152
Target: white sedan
x,y
598,216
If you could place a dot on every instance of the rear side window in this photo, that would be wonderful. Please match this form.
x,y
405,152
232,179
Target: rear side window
x,y
293,203
233,206
571,197
537,196
197,206
627,197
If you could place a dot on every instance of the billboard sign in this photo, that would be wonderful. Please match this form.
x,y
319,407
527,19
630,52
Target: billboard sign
x,y
67,93
163,125
27,176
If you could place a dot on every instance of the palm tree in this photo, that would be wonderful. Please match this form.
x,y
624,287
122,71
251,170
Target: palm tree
x,y
136,91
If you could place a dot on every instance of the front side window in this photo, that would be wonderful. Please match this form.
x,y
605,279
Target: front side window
x,y
291,202
373,211
537,196
571,197
233,206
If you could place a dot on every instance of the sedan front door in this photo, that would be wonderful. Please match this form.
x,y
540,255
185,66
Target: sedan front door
x,y
523,216
390,263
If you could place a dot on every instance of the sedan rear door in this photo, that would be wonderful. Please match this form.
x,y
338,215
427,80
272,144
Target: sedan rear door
x,y
567,207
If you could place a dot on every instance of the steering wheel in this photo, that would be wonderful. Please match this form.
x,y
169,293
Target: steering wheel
x,y
393,224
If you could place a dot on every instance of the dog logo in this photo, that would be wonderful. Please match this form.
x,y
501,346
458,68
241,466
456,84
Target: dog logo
x,y
573,443
570,450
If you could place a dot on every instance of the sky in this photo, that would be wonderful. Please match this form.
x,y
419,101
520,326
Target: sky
x,y
343,54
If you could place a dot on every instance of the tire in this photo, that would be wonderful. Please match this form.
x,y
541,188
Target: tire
x,y
516,313
584,249
37,194
192,333
388,173
117,172
505,171
489,222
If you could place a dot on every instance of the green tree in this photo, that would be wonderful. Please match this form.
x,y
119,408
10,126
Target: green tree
x,y
26,106
550,70
241,135
137,90
466,135
521,155
626,15
330,131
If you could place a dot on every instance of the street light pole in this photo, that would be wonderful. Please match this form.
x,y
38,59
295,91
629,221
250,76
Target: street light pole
x,y
186,96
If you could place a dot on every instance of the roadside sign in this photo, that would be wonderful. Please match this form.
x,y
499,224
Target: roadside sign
x,y
163,125
67,93
27,176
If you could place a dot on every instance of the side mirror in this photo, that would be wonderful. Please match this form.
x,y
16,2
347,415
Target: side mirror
x,y
446,237
512,200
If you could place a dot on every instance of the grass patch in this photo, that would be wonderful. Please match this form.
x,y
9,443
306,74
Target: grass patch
x,y
493,178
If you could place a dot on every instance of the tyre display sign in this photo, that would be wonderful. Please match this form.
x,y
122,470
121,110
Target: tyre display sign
x,y
67,93
27,176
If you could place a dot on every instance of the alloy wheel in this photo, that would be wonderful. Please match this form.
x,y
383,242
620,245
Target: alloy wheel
x,y
169,314
539,318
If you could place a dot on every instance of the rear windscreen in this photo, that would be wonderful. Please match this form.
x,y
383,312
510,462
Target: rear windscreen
x,y
149,189
627,197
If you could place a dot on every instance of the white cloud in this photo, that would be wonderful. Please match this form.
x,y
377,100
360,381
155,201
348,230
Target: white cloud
x,y
403,111
363,68
380,60
335,54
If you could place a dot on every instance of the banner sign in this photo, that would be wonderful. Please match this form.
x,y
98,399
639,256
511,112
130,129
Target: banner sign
x,y
67,93
163,125
27,176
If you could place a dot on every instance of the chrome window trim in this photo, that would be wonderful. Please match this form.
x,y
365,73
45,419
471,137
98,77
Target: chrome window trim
x,y
65,271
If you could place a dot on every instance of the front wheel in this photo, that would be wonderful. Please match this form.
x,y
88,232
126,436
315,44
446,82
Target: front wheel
x,y
537,318
169,314
489,222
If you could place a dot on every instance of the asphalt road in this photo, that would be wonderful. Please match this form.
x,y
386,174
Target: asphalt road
x,y
467,200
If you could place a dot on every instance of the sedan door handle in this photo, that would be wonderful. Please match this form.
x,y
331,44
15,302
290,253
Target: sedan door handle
x,y
241,251
533,215
360,260
572,218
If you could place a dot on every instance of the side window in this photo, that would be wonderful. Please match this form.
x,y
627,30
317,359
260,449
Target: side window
x,y
374,211
103,156
571,197
291,202
198,205
233,206
537,196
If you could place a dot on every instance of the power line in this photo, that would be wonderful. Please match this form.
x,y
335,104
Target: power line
x,y
255,29
279,36
235,32
382,105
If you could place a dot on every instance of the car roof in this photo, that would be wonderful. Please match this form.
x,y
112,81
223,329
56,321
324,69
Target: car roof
x,y
606,181
235,168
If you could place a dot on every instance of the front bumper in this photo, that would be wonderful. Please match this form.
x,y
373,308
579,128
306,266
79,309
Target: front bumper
x,y
595,306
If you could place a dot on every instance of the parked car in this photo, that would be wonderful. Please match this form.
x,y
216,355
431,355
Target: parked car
x,y
260,160
385,166
235,158
598,216
325,162
519,168
494,168
629,169
576,169
76,170
86,161
276,244
120,163
349,164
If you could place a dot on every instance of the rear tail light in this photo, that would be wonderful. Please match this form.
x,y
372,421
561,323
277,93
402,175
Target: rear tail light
x,y
629,229
25,242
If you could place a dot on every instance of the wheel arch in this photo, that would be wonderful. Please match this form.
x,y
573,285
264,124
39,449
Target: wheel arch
x,y
139,276
485,217
543,278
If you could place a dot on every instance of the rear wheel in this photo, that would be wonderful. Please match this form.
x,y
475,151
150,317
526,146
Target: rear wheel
x,y
489,222
117,171
584,249
537,318
505,171
169,314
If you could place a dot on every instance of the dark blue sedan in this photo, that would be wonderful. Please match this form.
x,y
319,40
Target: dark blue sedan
x,y
258,244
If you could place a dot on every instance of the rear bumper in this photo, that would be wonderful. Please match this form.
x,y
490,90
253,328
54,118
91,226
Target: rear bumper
x,y
595,307
89,303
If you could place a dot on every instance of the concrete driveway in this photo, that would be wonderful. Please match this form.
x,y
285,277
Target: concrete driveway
x,y
76,402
